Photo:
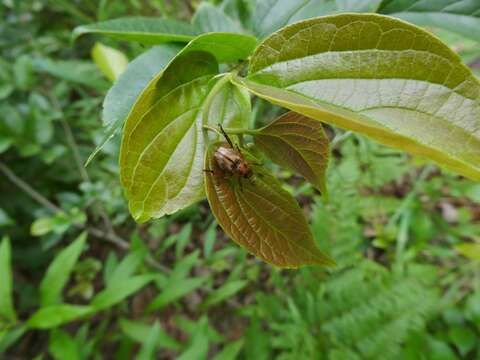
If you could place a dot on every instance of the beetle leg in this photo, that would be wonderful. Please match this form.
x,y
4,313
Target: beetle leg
x,y
226,136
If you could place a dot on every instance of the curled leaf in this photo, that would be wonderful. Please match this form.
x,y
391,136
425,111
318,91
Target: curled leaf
x,y
298,143
261,216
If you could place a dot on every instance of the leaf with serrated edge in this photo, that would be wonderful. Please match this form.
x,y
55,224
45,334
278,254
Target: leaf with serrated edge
x,y
146,30
298,143
378,76
271,15
462,17
162,150
261,217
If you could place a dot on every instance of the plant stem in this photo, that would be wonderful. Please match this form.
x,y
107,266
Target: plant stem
x,y
232,131
39,198
215,90
35,195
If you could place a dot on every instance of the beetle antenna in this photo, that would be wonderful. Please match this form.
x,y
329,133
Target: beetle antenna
x,y
226,136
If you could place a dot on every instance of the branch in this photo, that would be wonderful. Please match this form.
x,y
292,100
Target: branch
x,y
107,236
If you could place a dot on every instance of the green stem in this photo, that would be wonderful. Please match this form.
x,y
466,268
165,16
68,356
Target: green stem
x,y
232,131
215,90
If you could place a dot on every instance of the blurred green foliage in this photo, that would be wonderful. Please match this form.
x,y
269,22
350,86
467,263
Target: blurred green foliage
x,y
80,280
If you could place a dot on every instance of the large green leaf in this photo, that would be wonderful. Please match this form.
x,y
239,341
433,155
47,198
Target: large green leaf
x,y
209,18
298,143
160,158
261,217
148,31
378,76
7,311
162,149
271,15
59,272
460,16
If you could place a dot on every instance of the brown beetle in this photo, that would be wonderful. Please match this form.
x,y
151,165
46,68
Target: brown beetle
x,y
231,160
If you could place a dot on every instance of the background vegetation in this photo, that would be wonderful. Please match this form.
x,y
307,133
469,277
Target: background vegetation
x,y
405,234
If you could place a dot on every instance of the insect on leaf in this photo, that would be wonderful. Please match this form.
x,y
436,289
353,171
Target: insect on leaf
x,y
261,216
379,76
161,156
298,143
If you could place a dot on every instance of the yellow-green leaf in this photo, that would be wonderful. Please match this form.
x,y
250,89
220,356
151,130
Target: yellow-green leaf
x,y
298,143
469,250
7,310
111,62
161,156
146,30
261,216
379,76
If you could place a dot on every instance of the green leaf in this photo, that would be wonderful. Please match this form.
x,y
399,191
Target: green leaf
x,y
42,226
59,271
298,143
110,61
174,290
138,332
117,292
209,18
463,338
125,91
162,148
56,315
198,347
271,15
224,292
61,346
75,71
169,112
126,268
461,16
230,351
147,351
10,337
261,217
148,31
469,250
209,239
7,311
226,47
339,70
160,158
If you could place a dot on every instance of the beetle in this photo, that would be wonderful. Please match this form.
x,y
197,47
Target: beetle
x,y
231,160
